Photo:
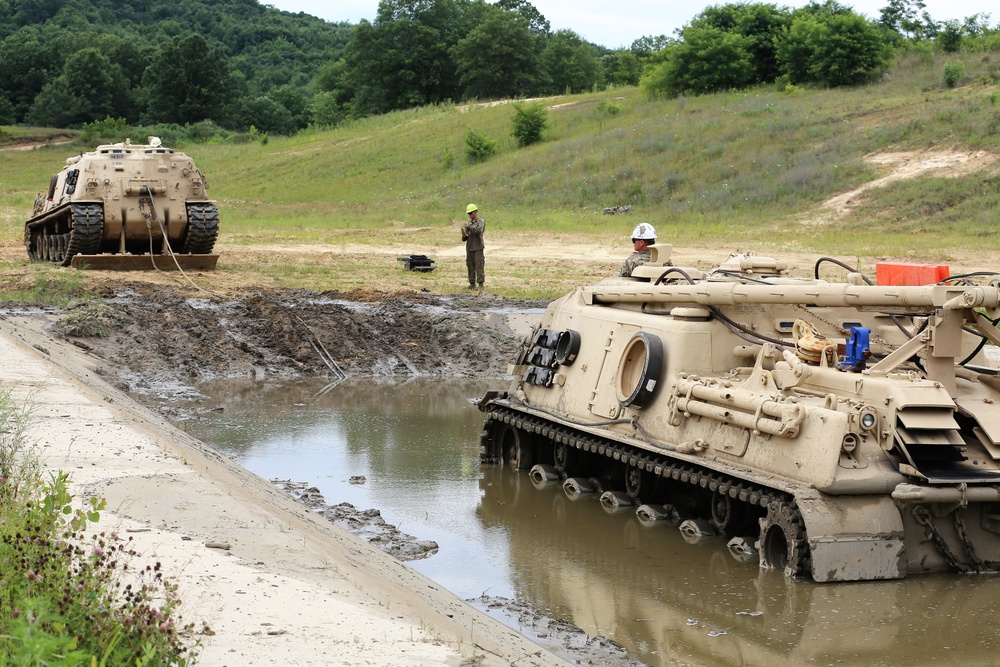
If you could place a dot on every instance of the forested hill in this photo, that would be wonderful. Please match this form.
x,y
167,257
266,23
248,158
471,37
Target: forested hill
x,y
66,62
251,68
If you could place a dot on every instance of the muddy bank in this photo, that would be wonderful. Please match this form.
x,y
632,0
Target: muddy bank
x,y
159,340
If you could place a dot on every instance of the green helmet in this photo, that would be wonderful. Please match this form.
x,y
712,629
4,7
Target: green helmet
x,y
470,208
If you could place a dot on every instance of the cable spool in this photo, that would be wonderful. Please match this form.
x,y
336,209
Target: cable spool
x,y
809,342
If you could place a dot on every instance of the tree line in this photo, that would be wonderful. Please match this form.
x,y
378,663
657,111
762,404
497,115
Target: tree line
x,y
242,65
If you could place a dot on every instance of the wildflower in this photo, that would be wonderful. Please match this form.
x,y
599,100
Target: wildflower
x,y
31,575
16,612
79,587
98,551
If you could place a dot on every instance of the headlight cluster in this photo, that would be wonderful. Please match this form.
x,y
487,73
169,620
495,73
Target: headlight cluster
x,y
550,349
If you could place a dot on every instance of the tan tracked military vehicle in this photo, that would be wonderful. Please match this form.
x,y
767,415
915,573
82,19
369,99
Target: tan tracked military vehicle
x,y
125,206
847,430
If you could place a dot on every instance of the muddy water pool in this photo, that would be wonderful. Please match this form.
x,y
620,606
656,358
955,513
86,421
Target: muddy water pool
x,y
666,600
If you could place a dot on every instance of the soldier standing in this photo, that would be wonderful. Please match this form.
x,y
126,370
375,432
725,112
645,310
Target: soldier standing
x,y
472,234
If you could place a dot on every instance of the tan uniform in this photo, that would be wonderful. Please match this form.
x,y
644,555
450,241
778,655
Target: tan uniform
x,y
475,261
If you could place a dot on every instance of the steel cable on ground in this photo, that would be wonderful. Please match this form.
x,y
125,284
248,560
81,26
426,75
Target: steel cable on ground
x,y
166,244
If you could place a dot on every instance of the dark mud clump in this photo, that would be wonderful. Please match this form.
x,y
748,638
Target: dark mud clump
x,y
561,637
366,524
163,337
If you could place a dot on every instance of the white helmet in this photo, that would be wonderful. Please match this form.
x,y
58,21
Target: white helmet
x,y
644,231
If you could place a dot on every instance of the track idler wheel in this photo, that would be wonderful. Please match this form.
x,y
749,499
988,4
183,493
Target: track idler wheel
x,y
637,482
563,456
731,516
516,447
782,543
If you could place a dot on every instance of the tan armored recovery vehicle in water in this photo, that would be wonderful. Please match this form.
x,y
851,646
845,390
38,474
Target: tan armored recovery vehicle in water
x,y
846,431
125,206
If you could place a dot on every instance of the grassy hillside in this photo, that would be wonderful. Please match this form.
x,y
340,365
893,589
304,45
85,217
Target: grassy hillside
x,y
747,169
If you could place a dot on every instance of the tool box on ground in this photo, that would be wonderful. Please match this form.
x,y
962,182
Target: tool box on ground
x,y
417,263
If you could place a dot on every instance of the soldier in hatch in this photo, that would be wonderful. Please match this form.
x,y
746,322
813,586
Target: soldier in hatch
x,y
643,236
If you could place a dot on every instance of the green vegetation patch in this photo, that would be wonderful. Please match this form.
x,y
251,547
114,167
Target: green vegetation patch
x,y
68,598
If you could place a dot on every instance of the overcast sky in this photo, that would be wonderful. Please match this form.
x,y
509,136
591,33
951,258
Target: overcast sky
x,y
617,23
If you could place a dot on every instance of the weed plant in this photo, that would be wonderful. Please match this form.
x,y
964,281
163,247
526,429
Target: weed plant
x,y
67,599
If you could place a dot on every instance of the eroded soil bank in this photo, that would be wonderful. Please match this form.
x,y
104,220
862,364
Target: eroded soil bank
x,y
159,340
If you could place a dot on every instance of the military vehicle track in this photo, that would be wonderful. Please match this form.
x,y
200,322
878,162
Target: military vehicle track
x,y
85,223
732,505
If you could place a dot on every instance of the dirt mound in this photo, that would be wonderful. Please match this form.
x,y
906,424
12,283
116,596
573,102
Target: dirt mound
x,y
165,339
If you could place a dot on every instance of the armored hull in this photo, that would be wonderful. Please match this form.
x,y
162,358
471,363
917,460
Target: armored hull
x,y
125,206
848,431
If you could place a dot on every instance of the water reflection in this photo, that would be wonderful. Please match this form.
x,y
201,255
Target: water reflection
x,y
416,443
665,600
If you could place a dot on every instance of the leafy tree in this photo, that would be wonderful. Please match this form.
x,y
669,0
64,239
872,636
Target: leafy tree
x,y
7,116
331,76
35,11
89,87
976,25
186,82
570,63
795,48
950,37
825,9
537,23
26,64
131,56
629,69
903,16
497,58
838,50
529,122
325,110
705,60
332,102
848,50
403,58
650,44
295,102
760,23
267,115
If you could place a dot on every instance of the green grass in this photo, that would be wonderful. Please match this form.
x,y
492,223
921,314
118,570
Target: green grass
x,y
742,166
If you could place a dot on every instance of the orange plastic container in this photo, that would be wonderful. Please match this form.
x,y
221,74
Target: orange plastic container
x,y
904,273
